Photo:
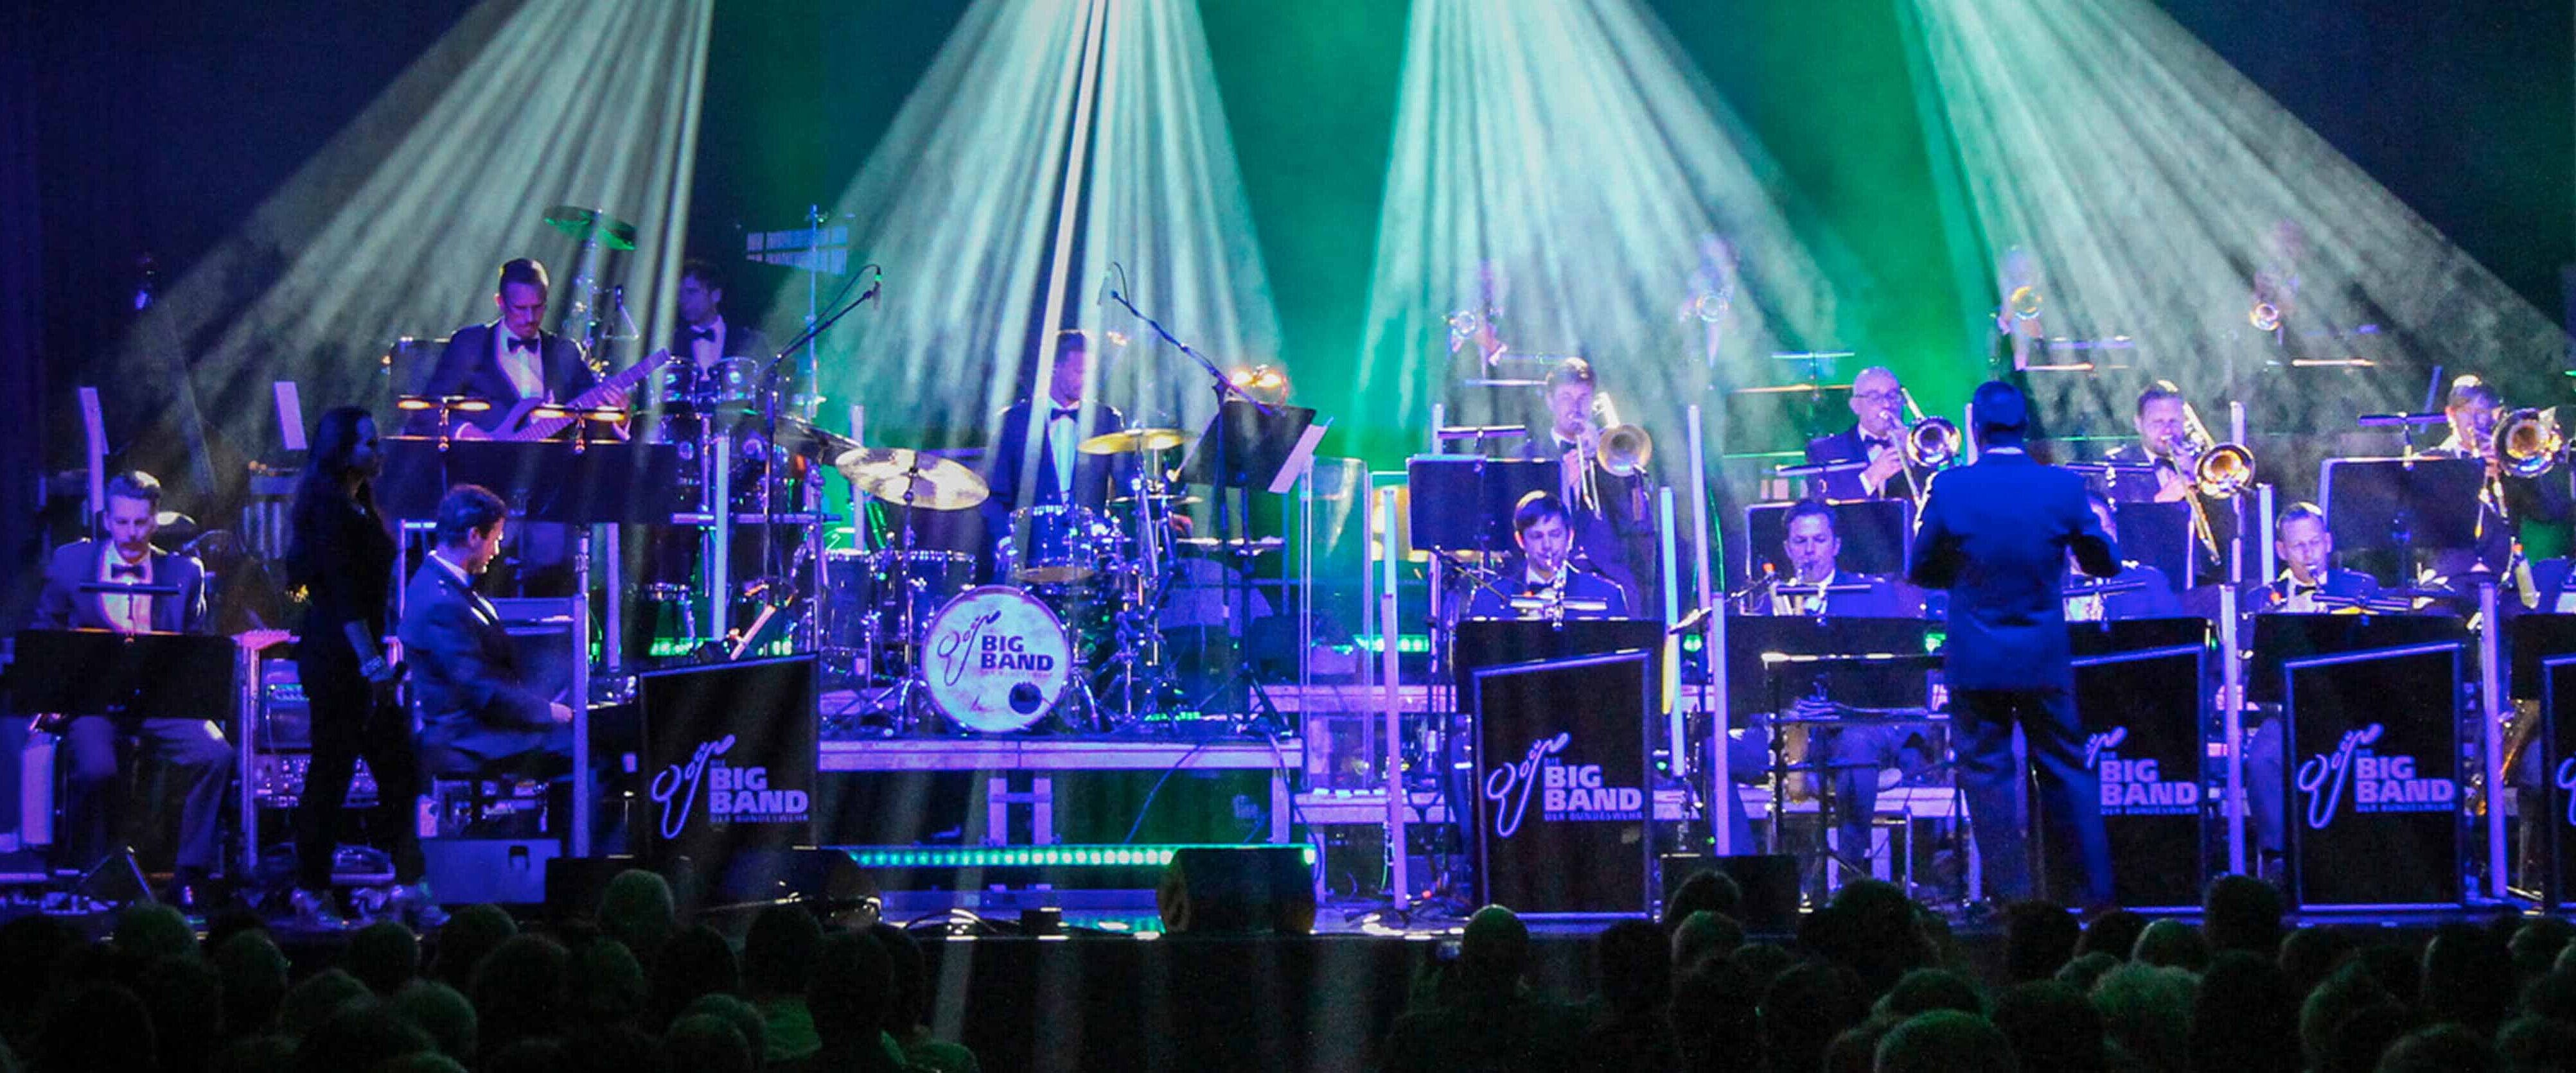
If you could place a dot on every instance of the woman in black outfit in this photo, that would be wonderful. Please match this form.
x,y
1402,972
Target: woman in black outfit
x,y
341,553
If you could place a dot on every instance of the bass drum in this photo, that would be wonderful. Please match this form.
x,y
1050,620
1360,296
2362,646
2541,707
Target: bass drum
x,y
996,660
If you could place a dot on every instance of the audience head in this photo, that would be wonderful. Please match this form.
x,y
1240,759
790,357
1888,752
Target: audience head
x,y
778,952
358,1036
1716,1016
707,1042
1805,1009
2308,955
911,1006
2444,1048
1766,961
1856,1050
696,961
1702,936
384,956
186,998
2038,938
2171,944
518,991
2537,1044
2246,1017
1926,990
636,909
536,1054
2468,977
254,979
1871,927
1494,950
1946,1041
606,983
2345,991
2146,1010
2051,1026
148,930
853,984
1636,971
741,1015
2114,933
2536,945
33,946
2242,913
316,999
1711,890
98,1026
442,1012
467,936
2552,996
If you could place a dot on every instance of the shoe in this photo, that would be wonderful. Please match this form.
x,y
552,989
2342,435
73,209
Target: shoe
x,y
314,910
415,905
192,894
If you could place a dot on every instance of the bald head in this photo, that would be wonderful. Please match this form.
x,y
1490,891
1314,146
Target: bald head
x,y
1876,399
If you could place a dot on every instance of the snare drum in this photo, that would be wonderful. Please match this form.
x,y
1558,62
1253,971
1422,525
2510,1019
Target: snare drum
x,y
1056,544
996,660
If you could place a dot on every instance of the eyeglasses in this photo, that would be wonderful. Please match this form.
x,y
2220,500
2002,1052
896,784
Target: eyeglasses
x,y
1879,396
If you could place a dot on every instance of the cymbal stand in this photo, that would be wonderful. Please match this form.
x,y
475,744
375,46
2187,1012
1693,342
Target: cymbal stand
x,y
910,585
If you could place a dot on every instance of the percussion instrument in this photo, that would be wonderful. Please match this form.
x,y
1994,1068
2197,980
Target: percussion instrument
x,y
585,224
1056,544
996,660
1133,441
908,478
897,590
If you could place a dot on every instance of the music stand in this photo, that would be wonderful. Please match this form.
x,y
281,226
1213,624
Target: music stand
x,y
123,675
1244,446
2402,505
1874,534
1465,502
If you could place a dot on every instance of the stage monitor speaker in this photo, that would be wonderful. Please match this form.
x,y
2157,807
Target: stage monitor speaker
x,y
500,871
824,878
1768,881
1237,890
573,885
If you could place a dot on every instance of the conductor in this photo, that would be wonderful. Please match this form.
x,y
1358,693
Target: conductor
x,y
1997,534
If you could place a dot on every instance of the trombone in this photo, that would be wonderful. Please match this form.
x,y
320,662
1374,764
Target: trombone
x,y
1621,450
1931,444
2218,471
2526,443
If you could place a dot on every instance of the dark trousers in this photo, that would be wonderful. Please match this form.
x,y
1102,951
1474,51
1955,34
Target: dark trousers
x,y
2070,794
353,717
198,757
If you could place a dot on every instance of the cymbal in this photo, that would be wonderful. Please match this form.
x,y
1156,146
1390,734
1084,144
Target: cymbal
x,y
1133,440
934,483
1164,499
579,222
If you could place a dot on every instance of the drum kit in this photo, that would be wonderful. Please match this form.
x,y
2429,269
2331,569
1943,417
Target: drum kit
x,y
1067,629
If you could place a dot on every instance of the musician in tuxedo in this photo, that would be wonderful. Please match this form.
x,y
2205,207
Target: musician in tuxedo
x,y
1877,436
704,336
2306,547
473,698
1857,753
2507,502
2157,469
1614,530
1052,470
2141,591
1996,534
194,749
505,362
1548,569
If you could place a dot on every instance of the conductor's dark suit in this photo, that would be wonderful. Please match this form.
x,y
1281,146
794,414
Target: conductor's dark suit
x,y
466,680
1996,535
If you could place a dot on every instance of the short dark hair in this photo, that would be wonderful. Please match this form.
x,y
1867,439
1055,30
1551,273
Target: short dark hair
x,y
1570,371
468,509
524,270
704,271
2158,389
134,484
1535,508
1070,340
2296,511
1808,508
2000,408
2468,390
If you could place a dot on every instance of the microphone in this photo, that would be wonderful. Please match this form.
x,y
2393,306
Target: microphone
x,y
875,287
1108,286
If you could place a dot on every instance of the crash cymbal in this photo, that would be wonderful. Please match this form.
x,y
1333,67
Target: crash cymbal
x,y
889,473
582,223
1133,440
1162,499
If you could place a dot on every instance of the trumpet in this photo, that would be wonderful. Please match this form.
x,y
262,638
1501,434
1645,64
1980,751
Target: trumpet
x,y
2527,442
2265,313
2024,302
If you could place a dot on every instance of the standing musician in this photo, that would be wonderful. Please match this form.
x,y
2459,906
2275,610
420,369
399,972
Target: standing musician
x,y
1052,470
1877,436
2142,590
2164,444
340,551
510,359
1612,530
1547,571
193,748
2507,501
1860,750
1996,533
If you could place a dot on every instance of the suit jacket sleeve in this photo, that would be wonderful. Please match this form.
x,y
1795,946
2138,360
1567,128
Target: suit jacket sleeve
x,y
444,633
1935,553
2092,547
54,608
192,594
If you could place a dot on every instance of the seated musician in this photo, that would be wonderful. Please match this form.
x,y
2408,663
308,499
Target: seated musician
x,y
194,749
2306,547
2141,590
2472,410
474,702
1547,579
2164,446
1614,530
1052,471
1877,436
1860,754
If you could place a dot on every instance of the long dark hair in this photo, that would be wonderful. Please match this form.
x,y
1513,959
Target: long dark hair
x,y
325,482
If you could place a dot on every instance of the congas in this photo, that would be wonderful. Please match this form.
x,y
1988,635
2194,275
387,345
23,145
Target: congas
x,y
996,660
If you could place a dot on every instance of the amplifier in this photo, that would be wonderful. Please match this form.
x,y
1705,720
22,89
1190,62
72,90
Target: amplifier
x,y
277,780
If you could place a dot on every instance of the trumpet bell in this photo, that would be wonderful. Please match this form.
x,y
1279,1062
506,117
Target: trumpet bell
x,y
1932,443
2025,302
2265,317
2528,442
1625,450
2223,470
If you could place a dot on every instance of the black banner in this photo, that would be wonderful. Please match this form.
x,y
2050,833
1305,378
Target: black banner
x,y
2373,762
2141,716
729,756
1563,791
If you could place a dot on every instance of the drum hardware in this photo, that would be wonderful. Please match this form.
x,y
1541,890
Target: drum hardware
x,y
908,479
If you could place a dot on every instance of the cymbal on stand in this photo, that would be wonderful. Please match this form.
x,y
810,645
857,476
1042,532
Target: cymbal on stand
x,y
899,475
1133,441
582,223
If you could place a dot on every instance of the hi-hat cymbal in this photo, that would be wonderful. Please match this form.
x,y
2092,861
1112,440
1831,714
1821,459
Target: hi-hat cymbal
x,y
892,473
579,222
1133,440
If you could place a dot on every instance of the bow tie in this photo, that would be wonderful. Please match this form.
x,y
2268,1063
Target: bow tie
x,y
1067,412
1872,443
529,345
702,335
118,570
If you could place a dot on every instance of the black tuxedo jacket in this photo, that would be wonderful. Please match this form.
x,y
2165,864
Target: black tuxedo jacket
x,y
63,606
1996,533
466,679
467,367
1846,446
1093,475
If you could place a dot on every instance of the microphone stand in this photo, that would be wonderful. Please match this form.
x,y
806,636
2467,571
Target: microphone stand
x,y
768,380
1239,595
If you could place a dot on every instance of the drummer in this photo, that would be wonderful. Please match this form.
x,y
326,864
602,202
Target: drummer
x,y
1055,471
703,337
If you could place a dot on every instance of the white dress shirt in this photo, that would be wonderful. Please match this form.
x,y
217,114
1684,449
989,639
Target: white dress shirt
x,y
126,613
525,368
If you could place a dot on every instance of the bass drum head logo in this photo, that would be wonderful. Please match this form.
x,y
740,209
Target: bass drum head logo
x,y
996,660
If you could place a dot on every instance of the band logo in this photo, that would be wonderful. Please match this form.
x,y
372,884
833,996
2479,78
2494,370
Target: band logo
x,y
2565,777
1575,793
979,647
2136,787
2377,783
734,794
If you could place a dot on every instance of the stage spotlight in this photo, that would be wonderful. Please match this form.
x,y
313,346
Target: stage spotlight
x,y
2145,205
1563,182
1045,143
394,228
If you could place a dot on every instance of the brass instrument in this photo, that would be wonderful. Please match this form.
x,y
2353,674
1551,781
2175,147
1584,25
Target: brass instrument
x,y
1621,450
1930,444
2218,471
2025,302
2527,442
2265,314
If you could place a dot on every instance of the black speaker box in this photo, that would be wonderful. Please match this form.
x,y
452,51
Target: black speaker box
x,y
1243,889
1769,883
471,871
